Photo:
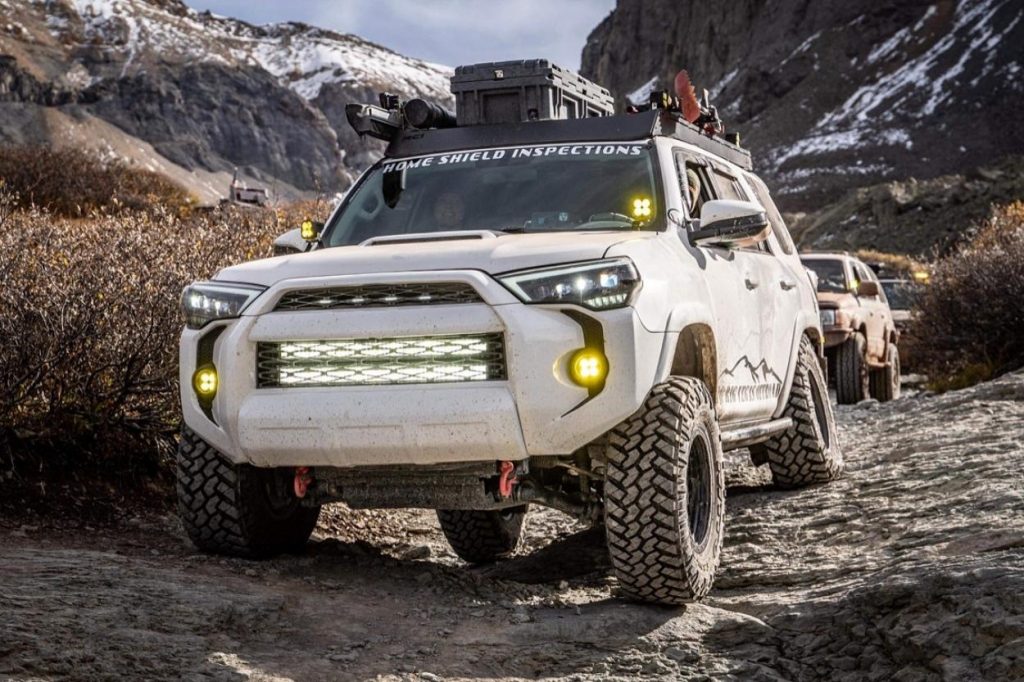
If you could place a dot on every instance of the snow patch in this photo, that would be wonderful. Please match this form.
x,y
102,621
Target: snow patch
x,y
642,95
301,57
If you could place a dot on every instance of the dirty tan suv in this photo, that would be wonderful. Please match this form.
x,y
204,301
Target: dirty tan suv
x,y
860,333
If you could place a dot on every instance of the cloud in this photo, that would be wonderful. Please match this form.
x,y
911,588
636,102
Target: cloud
x,y
450,32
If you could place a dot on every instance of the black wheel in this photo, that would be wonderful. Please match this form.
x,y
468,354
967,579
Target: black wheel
x,y
885,382
852,378
665,495
809,451
238,509
482,536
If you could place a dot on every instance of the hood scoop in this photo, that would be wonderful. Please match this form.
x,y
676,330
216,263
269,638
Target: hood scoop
x,y
452,235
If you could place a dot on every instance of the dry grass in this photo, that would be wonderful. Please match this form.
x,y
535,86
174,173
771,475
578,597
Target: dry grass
x,y
893,264
970,326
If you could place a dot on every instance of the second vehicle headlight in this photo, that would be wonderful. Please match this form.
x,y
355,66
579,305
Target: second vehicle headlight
x,y
204,302
828,318
598,285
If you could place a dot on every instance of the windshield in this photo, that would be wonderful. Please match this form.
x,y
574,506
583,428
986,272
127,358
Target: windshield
x,y
901,293
552,188
831,275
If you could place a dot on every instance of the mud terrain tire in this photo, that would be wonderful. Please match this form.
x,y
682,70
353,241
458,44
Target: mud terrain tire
x,y
808,452
482,536
665,495
237,509
885,382
852,378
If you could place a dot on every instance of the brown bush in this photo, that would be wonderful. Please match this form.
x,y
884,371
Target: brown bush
x,y
970,326
89,320
76,183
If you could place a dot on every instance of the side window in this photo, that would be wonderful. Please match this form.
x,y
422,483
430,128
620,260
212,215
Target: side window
x,y
694,183
729,187
774,217
864,274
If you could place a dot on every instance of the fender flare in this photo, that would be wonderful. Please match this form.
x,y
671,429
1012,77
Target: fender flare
x,y
809,325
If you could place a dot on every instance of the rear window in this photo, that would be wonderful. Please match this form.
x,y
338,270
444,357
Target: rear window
x,y
831,275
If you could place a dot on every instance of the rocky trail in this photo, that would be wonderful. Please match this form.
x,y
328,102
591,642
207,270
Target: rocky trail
x,y
910,568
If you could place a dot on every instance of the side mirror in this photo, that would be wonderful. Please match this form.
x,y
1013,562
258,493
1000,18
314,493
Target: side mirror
x,y
290,242
867,288
731,223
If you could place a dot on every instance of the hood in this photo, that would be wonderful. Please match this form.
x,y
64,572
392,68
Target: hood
x,y
493,255
901,315
832,301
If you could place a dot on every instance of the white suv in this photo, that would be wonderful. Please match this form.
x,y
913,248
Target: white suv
x,y
499,316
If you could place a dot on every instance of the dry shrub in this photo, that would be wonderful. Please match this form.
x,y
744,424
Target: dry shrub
x,y
90,321
75,183
970,326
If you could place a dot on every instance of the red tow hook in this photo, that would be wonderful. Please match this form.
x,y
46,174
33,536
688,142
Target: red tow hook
x,y
303,479
507,479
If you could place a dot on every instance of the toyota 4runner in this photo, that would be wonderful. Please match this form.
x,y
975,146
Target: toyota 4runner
x,y
860,332
580,313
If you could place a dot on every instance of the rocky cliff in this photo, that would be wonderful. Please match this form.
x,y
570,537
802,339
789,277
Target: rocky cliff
x,y
833,94
196,95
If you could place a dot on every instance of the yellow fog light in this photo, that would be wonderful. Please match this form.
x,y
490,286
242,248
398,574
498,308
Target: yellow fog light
x,y
205,382
641,208
588,367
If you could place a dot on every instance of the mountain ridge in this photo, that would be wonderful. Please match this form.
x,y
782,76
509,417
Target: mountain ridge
x,y
196,95
831,95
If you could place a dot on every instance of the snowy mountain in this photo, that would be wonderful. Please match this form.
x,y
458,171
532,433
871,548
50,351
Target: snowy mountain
x,y
196,95
834,94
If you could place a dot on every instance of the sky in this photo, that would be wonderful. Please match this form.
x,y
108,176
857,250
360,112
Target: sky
x,y
450,32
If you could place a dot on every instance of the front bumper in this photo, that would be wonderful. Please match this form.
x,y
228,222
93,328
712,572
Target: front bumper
x,y
538,410
835,336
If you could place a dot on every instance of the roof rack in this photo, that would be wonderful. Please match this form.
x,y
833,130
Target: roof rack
x,y
620,128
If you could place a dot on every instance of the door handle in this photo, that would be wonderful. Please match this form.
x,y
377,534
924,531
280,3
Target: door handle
x,y
751,284
787,285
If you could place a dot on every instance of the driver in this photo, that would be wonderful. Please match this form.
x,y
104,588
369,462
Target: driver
x,y
693,185
449,211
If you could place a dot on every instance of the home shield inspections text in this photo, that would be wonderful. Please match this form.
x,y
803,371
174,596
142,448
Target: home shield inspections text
x,y
516,153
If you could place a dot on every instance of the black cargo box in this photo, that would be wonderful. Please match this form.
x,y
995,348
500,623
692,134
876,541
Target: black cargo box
x,y
525,90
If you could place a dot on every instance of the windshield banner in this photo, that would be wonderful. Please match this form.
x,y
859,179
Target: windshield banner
x,y
516,153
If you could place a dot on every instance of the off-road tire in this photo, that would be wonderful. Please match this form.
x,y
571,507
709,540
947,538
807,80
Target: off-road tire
x,y
237,509
885,381
665,495
482,536
852,376
809,451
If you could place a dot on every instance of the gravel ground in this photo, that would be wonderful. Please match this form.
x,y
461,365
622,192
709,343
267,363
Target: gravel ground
x,y
910,568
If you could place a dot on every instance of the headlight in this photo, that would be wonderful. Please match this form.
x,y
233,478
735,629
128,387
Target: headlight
x,y
203,302
828,318
598,285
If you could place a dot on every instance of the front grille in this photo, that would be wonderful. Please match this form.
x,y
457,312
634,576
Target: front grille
x,y
400,360
379,295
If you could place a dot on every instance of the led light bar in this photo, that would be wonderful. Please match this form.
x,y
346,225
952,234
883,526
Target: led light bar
x,y
401,360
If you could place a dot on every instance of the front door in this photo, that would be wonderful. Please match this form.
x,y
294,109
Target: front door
x,y
747,389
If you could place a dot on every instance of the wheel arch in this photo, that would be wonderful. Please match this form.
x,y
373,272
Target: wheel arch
x,y
693,352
